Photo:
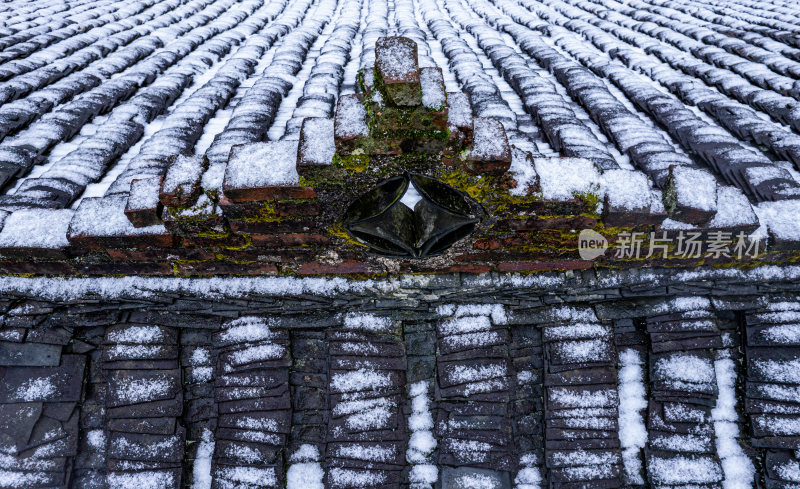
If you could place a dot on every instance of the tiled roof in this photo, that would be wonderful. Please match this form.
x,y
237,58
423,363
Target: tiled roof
x,y
383,391
148,125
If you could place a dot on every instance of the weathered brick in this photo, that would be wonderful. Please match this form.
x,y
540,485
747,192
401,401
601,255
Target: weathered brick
x,y
181,184
143,207
345,267
398,68
225,268
291,239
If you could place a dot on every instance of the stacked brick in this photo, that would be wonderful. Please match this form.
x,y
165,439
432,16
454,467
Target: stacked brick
x,y
40,389
772,389
473,424
366,438
527,353
420,341
90,464
262,192
144,401
683,390
581,419
200,413
252,395
308,382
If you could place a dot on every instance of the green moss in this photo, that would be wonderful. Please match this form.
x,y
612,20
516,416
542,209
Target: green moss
x,y
337,230
356,162
208,234
248,241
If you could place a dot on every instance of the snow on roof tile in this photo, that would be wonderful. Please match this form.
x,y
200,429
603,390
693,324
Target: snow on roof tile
x,y
105,216
563,178
259,165
36,228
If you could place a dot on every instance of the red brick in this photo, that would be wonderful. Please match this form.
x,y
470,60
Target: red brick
x,y
269,193
232,240
535,266
275,227
156,254
534,223
226,268
346,267
291,239
87,242
121,268
27,253
8,267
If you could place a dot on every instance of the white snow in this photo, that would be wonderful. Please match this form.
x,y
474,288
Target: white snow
x,y
683,470
246,329
433,95
420,423
268,164
395,58
305,471
257,353
200,356
580,351
686,368
411,196
141,480
367,322
489,139
306,475
423,474
783,333
583,398
22,480
785,372
736,466
249,475
562,178
351,118
305,453
39,389
524,174
144,335
632,402
317,145
759,174
779,425
360,380
477,481
370,419
355,478
183,174
528,478
96,439
789,471
363,452
695,188
36,228
465,324
781,218
105,216
626,189
139,390
460,374
459,109
201,469
733,209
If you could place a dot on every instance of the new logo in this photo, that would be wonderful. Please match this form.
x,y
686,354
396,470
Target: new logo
x,y
591,244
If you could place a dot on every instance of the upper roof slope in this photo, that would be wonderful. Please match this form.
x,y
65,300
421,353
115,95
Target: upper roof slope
x,y
690,104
